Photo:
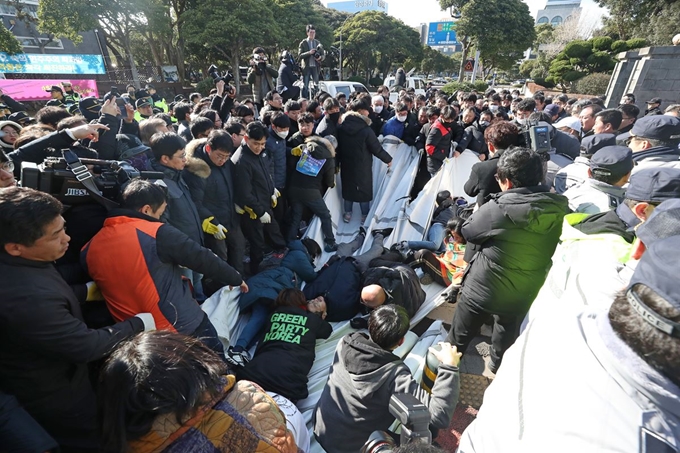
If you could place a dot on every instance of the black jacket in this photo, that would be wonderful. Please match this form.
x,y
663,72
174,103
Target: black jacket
x,y
482,181
473,139
401,285
45,343
211,187
357,144
327,127
253,182
564,143
411,129
288,347
339,281
223,106
438,143
515,234
181,211
286,78
321,149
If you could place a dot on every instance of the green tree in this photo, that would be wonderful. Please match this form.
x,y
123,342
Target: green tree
x,y
251,23
580,58
8,43
653,20
374,39
292,17
495,27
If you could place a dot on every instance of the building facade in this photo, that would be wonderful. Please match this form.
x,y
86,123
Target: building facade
x,y
558,11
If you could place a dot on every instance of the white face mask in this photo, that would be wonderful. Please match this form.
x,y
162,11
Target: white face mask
x,y
282,134
483,123
401,118
493,108
377,108
521,121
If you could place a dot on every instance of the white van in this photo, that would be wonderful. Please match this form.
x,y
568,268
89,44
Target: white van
x,y
344,86
416,83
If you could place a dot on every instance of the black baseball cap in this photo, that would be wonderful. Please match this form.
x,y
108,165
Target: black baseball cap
x,y
55,88
21,118
657,270
612,161
664,222
142,102
656,127
655,101
90,107
654,185
593,143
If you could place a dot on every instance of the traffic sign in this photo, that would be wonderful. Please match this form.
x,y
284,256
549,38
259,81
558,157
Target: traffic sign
x,y
469,65
441,34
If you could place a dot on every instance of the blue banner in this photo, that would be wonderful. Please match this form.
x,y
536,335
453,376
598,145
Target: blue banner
x,y
51,64
441,34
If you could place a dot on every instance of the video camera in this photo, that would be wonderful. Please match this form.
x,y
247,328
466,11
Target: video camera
x,y
320,54
65,178
414,417
226,76
537,136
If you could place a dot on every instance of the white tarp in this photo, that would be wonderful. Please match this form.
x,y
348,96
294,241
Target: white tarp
x,y
389,209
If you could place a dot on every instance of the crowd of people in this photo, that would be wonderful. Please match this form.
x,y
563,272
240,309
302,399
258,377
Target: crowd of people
x,y
567,252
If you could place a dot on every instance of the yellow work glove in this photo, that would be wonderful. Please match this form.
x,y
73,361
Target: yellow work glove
x,y
93,292
251,213
208,226
297,151
275,198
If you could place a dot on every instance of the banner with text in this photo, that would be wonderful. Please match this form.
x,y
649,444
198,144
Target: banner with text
x,y
34,90
51,64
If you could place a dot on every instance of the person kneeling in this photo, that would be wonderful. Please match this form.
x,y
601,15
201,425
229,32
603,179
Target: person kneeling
x,y
365,374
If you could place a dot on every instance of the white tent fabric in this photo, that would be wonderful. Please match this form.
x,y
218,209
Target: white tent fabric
x,y
389,209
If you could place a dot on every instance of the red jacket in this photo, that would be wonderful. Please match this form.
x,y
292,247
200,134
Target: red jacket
x,y
135,261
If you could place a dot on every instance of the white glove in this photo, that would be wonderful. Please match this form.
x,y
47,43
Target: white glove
x,y
266,218
147,319
277,194
221,233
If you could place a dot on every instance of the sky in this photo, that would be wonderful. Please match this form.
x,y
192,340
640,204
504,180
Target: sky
x,y
415,12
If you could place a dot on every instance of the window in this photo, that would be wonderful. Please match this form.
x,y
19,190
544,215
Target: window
x,y
359,88
9,10
542,20
557,20
32,43
342,89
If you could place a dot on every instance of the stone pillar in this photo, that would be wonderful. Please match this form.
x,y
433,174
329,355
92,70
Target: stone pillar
x,y
656,74
619,81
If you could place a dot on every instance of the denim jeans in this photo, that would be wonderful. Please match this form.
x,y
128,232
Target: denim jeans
x,y
307,73
435,239
258,318
364,205
195,278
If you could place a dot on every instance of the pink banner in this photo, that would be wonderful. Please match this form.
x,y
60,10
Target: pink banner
x,y
34,90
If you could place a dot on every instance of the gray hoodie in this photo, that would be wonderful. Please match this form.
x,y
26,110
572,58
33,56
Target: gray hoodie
x,y
355,401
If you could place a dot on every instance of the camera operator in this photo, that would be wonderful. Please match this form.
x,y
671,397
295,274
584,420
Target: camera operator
x,y
261,76
37,150
308,59
365,374
223,103
286,79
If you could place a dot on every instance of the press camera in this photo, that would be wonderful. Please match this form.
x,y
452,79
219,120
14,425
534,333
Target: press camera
x,y
414,417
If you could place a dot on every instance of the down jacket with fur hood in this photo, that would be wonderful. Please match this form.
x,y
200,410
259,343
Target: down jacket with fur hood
x,y
357,144
320,149
211,187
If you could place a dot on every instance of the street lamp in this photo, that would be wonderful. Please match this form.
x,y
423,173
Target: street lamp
x,y
343,24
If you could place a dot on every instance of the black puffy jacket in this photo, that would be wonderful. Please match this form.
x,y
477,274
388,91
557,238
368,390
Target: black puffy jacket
x,y
401,285
339,281
253,182
212,187
515,234
357,144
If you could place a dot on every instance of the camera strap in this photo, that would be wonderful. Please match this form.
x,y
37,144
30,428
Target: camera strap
x,y
84,176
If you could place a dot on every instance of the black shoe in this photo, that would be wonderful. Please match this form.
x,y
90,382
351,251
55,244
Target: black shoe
x,y
330,247
384,232
360,322
362,231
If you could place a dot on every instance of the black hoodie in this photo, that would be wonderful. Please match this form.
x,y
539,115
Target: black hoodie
x,y
355,401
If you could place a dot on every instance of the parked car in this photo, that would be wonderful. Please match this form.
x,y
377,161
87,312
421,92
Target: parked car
x,y
416,83
344,86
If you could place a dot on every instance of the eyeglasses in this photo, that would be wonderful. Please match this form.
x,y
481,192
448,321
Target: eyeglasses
x,y
7,166
630,139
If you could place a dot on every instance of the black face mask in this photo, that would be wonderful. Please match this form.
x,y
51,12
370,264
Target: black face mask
x,y
334,117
